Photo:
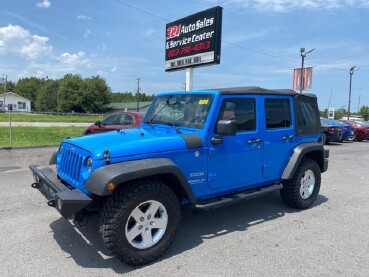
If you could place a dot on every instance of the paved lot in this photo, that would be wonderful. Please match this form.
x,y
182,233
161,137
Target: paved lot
x,y
261,237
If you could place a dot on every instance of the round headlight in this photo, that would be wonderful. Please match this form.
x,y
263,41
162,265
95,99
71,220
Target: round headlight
x,y
89,164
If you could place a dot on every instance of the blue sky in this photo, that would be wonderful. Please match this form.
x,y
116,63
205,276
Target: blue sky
x,y
122,40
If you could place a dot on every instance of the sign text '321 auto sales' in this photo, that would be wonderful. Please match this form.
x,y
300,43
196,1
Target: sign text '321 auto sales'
x,y
194,40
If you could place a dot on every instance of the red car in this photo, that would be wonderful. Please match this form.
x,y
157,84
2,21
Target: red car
x,y
365,124
361,131
116,121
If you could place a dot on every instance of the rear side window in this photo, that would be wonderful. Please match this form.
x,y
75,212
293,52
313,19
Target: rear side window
x,y
307,119
307,114
126,119
111,120
277,113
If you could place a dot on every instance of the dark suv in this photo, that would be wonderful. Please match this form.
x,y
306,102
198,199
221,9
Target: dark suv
x,y
201,148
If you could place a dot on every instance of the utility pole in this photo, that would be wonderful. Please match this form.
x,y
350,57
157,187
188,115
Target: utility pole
x,y
137,94
303,56
6,77
352,69
358,105
329,103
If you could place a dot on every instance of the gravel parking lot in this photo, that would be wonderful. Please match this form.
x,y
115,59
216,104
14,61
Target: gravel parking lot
x,y
260,237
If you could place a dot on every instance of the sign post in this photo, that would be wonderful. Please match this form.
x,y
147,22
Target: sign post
x,y
189,78
10,109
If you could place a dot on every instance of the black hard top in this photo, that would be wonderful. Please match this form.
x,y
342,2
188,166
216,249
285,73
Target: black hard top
x,y
259,90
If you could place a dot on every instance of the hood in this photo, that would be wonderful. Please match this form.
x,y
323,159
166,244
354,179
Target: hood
x,y
134,141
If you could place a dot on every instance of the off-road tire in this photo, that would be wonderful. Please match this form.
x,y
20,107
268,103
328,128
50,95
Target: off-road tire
x,y
117,214
302,190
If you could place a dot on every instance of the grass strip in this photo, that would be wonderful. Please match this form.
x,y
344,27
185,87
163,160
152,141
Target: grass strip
x,y
37,136
24,117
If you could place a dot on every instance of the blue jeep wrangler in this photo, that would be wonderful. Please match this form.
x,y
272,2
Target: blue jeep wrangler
x,y
201,148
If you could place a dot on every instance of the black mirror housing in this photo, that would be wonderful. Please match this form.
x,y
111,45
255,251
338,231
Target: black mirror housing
x,y
226,127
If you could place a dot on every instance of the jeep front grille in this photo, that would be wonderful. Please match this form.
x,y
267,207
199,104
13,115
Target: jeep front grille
x,y
70,167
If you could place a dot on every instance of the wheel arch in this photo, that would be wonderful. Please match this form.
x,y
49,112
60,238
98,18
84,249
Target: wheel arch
x,y
313,151
122,173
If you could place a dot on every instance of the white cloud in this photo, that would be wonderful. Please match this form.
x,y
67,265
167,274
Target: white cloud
x,y
37,46
18,41
83,17
113,69
45,4
77,59
282,6
87,33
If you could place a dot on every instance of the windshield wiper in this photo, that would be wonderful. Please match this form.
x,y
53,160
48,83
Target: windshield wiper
x,y
173,125
155,115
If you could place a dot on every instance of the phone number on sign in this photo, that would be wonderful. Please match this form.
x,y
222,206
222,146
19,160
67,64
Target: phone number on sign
x,y
189,49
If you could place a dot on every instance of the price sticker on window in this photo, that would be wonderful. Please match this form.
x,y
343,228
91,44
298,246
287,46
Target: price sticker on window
x,y
203,102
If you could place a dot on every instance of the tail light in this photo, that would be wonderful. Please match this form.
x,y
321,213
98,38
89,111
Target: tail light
x,y
330,129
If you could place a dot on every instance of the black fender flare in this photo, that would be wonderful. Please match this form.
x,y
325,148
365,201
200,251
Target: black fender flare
x,y
302,150
131,170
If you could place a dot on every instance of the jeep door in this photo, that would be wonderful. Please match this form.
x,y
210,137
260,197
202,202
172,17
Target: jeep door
x,y
279,138
236,162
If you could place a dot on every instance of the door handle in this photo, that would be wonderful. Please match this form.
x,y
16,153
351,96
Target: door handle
x,y
254,141
288,137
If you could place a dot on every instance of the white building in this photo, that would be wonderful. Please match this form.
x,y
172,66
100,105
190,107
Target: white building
x,y
18,103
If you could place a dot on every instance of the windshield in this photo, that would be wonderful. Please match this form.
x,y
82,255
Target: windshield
x,y
188,110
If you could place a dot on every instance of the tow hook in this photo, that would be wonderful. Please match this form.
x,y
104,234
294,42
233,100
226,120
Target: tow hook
x,y
35,185
51,203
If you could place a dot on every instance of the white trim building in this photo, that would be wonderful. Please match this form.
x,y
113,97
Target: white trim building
x,y
17,102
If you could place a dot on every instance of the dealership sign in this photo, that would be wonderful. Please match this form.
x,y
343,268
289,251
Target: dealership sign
x,y
194,40
331,113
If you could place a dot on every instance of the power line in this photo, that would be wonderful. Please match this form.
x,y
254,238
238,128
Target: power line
x,y
259,52
140,10
244,47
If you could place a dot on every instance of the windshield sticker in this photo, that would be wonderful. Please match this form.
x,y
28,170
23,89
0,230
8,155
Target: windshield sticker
x,y
204,102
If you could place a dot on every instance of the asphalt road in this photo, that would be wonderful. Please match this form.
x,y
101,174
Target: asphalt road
x,y
260,237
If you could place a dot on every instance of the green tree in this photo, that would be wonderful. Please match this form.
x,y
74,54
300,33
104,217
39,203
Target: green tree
x,y
118,97
324,113
9,86
71,93
47,98
96,94
364,111
339,113
29,88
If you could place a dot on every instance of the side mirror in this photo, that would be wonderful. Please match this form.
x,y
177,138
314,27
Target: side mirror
x,y
226,127
98,123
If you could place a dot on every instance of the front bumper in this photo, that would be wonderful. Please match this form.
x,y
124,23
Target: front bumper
x,y
65,200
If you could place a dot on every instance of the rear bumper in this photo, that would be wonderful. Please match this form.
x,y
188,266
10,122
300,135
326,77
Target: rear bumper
x,y
65,200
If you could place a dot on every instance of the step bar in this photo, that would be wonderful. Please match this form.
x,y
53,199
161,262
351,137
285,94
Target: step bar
x,y
234,198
